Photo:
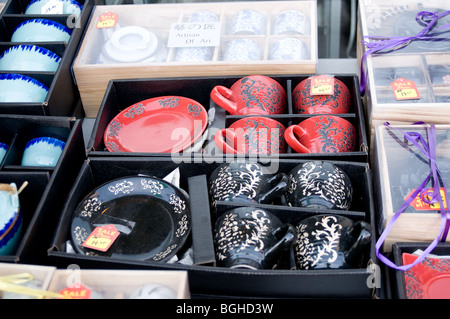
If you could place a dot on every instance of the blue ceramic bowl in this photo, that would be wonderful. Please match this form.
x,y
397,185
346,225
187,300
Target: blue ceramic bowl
x,y
42,151
10,219
62,7
21,88
41,30
3,150
29,58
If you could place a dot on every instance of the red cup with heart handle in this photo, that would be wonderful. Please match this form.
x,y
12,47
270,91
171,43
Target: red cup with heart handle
x,y
321,134
251,95
252,135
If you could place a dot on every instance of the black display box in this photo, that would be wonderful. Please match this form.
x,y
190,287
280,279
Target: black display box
x,y
121,94
42,200
397,277
205,279
63,98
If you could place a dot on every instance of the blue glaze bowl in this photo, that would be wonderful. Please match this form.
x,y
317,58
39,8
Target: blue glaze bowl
x,y
10,219
41,7
42,151
21,88
29,58
3,149
41,30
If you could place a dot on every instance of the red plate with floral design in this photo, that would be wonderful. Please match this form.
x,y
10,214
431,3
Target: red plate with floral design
x,y
429,279
166,124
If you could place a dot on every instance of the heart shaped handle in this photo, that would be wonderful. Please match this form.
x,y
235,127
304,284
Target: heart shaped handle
x,y
221,96
298,139
221,139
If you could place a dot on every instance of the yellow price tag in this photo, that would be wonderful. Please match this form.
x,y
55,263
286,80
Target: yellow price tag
x,y
322,85
405,90
102,238
97,243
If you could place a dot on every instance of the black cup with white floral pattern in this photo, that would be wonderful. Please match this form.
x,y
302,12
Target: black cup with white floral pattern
x,y
319,184
247,182
331,242
251,238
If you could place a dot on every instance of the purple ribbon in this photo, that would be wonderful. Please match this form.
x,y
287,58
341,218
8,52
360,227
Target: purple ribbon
x,y
429,150
389,44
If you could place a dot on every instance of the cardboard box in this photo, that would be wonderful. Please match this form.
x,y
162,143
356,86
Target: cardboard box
x,y
204,277
120,284
123,93
63,96
400,168
165,22
47,186
423,62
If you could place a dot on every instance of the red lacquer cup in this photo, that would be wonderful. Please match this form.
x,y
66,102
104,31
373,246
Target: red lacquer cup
x,y
251,95
252,135
321,134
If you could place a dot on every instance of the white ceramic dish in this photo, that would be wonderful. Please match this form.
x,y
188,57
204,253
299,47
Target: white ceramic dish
x,y
130,44
29,58
41,30
53,7
20,88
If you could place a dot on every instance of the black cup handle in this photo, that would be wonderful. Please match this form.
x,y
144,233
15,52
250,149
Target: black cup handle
x,y
279,183
287,234
362,231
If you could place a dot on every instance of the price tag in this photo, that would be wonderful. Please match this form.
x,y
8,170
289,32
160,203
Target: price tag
x,y
322,85
102,238
405,90
52,7
77,291
194,35
419,204
107,20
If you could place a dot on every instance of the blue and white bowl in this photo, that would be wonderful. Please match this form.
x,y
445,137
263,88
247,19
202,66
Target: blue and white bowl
x,y
58,7
10,219
3,149
18,88
42,151
29,58
41,30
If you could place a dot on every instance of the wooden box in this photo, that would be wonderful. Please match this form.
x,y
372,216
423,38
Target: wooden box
x,y
424,62
40,275
120,284
164,21
400,168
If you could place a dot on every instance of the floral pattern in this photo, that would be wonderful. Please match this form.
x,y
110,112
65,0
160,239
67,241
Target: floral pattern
x,y
242,233
137,109
308,253
259,95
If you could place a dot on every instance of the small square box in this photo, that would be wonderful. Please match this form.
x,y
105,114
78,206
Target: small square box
x,y
423,62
